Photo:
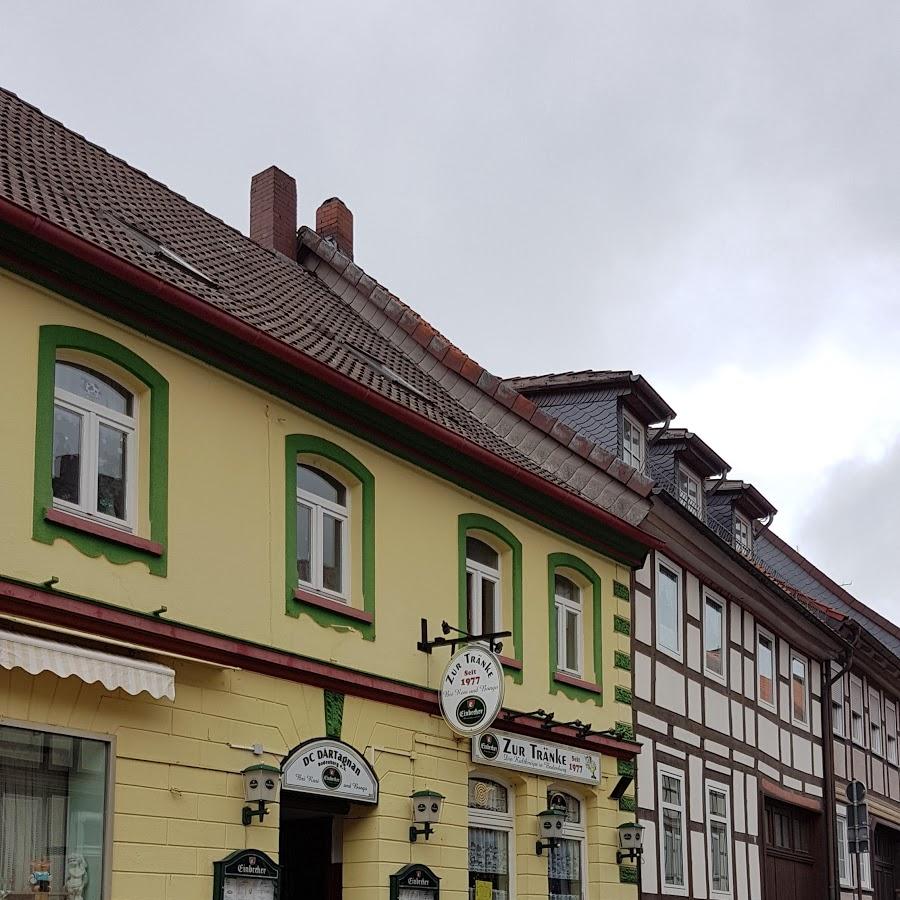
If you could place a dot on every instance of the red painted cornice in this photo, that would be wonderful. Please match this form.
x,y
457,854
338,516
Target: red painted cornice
x,y
39,605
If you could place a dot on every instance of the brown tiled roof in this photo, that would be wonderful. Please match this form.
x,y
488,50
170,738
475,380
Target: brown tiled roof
x,y
336,314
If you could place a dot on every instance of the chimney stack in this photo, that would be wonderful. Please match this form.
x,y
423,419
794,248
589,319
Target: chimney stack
x,y
273,211
334,223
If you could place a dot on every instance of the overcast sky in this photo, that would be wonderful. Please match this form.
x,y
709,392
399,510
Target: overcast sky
x,y
705,192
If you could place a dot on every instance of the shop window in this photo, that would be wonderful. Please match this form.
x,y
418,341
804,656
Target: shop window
x,y
673,847
718,831
714,637
330,535
53,814
566,864
765,669
491,839
490,584
668,609
101,449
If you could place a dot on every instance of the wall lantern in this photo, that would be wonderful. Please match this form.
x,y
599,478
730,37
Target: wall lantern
x,y
260,786
550,823
426,810
631,841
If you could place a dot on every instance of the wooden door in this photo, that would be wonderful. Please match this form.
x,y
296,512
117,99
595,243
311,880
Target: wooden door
x,y
887,850
793,867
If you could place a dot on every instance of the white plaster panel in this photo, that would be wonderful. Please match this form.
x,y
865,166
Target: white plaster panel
x,y
783,658
840,760
785,737
650,863
767,736
750,726
678,754
646,775
642,576
688,737
737,720
714,747
642,676
769,771
693,647
734,613
815,678
783,707
744,759
740,858
802,754
816,712
695,768
753,870
813,789
715,767
752,807
795,784
695,702
749,679
749,631
817,761
692,592
716,704
652,722
735,670
737,797
642,616
698,864
669,688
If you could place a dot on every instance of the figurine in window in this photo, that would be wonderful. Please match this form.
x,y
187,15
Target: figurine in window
x,y
76,876
40,876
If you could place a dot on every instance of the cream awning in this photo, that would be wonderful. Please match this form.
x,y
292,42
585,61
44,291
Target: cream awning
x,y
34,655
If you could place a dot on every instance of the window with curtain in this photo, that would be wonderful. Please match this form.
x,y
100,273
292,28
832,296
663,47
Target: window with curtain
x,y
322,532
52,812
490,838
672,826
565,865
719,837
483,595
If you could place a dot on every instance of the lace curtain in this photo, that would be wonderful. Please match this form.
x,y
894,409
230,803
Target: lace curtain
x,y
489,861
564,869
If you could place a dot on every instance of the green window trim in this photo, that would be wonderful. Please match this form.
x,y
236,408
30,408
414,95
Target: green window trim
x,y
568,561
476,522
52,339
294,445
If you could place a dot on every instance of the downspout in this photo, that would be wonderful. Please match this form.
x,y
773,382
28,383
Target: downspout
x,y
661,431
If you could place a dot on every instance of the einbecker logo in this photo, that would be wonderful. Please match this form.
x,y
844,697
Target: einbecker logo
x,y
489,745
331,777
471,711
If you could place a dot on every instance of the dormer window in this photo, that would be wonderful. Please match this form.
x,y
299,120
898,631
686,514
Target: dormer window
x,y
690,491
632,442
743,535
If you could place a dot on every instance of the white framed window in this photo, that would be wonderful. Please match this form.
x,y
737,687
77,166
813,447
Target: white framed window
x,y
766,685
845,863
483,589
714,631
492,843
690,490
876,732
743,535
865,872
718,837
668,608
837,714
856,727
633,442
890,732
799,690
567,860
569,626
94,446
672,830
323,533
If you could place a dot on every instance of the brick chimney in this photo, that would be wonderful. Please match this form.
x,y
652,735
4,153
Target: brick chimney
x,y
334,223
273,211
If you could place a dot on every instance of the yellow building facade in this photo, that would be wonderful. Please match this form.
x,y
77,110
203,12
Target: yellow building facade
x,y
259,580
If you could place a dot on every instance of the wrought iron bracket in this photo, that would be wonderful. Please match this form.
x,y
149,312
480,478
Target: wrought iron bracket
x,y
491,638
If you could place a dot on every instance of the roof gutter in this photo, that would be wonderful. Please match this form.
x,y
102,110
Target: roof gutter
x,y
35,226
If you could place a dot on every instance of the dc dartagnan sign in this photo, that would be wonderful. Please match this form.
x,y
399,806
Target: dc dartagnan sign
x,y
472,690
513,751
332,768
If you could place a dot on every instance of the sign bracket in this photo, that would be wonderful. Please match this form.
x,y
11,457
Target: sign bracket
x,y
426,646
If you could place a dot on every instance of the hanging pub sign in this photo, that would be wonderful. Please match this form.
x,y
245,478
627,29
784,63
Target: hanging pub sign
x,y
472,690
513,751
330,768
246,875
415,882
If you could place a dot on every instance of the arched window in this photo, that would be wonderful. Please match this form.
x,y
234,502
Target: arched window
x,y
567,859
322,532
94,454
491,843
483,588
569,627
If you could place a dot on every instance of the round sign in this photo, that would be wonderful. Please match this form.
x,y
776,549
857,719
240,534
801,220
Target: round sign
x,y
472,690
856,792
331,777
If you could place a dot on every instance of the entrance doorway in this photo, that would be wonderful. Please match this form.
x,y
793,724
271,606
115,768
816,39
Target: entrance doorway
x,y
794,869
310,846
887,855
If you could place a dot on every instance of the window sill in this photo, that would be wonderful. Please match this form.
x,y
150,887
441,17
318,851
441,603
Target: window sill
x,y
572,681
86,526
335,606
509,663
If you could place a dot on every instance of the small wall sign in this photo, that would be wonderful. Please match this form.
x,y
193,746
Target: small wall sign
x,y
513,751
246,875
331,768
415,882
472,690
